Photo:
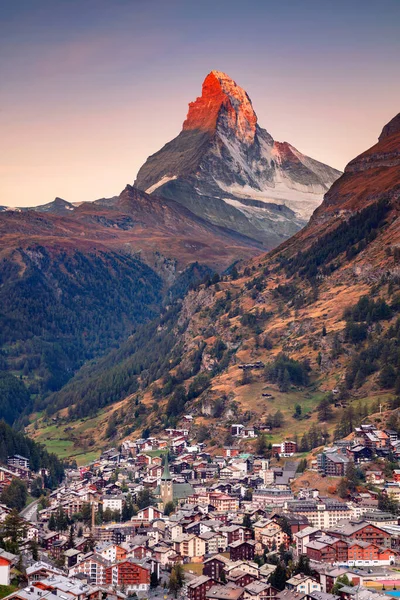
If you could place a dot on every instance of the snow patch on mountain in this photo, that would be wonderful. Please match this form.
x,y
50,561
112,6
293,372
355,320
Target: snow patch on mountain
x,y
223,155
162,181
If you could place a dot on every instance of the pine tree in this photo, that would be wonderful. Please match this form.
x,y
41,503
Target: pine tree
x,y
34,548
278,578
324,409
284,380
14,527
303,565
15,494
173,584
71,541
52,522
153,580
247,522
261,445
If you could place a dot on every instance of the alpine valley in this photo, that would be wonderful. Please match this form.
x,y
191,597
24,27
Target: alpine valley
x,y
319,314
237,280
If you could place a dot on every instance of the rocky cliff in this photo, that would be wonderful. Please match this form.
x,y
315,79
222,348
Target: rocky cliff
x,y
226,168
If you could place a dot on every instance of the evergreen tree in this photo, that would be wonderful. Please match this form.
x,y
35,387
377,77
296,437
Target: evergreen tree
x,y
15,494
176,579
303,565
278,578
52,523
297,411
261,445
71,540
145,498
169,508
14,527
324,409
247,522
278,419
340,582
61,519
34,548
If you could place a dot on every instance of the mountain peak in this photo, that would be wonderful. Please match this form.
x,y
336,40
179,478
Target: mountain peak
x,y
228,170
224,104
391,128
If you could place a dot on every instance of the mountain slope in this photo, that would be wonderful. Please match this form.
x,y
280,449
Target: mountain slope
x,y
134,223
76,280
224,166
304,299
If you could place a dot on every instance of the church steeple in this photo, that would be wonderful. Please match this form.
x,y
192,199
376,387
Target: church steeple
x,y
166,485
166,476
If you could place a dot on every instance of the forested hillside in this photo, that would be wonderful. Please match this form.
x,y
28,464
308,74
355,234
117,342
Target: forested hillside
x,y
59,310
315,321
12,442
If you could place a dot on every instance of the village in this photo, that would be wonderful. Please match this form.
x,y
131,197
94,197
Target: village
x,y
163,517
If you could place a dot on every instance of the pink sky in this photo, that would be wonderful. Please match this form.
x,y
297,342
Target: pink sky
x,y
87,96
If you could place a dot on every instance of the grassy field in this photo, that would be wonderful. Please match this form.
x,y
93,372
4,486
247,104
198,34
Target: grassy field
x,y
195,568
6,590
157,452
65,444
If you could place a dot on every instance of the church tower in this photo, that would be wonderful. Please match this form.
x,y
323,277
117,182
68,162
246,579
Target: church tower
x,y
166,485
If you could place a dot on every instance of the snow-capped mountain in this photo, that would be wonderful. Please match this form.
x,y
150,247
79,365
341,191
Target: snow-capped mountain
x,y
227,169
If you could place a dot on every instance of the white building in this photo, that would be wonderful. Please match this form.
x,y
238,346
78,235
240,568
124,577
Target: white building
x,y
6,560
113,502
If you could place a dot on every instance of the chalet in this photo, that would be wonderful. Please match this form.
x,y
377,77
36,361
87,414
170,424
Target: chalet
x,y
332,463
6,561
198,587
49,539
239,577
222,592
71,557
130,575
231,451
148,514
18,461
164,554
361,530
270,534
140,552
213,567
259,590
93,566
41,570
367,554
285,448
236,429
242,550
303,583
110,551
360,453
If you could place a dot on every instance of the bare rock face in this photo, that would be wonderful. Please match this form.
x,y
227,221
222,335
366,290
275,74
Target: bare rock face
x,y
227,169
368,178
222,103
391,128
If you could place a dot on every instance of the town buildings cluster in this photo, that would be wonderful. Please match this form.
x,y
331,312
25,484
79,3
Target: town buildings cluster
x,y
142,509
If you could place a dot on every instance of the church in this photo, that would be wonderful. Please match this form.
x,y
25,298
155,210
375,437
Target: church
x,y
169,490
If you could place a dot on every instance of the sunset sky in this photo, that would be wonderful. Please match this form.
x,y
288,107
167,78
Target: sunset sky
x,y
90,88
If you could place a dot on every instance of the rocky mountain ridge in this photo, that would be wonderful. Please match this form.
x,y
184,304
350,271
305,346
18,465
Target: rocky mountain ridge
x,y
224,166
133,223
